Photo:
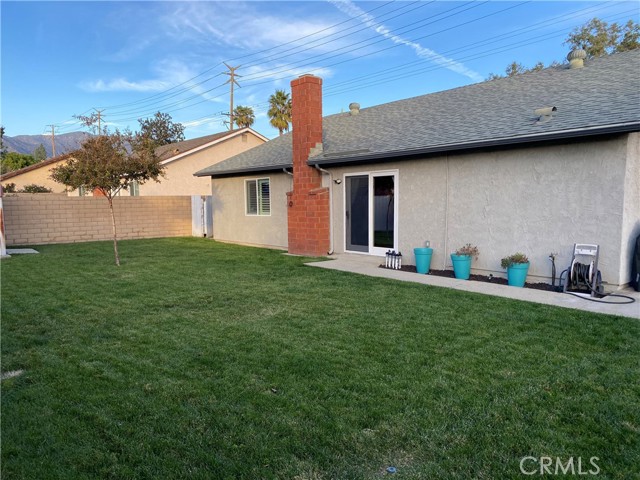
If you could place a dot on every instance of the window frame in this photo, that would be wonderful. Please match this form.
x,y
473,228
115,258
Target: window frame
x,y
259,197
134,188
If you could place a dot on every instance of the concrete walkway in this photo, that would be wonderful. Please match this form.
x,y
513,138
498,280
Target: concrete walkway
x,y
367,265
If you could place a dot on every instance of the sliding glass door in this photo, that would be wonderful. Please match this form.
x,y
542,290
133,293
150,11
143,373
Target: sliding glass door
x,y
371,212
357,213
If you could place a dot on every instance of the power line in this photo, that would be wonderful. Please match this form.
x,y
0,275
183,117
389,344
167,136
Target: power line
x,y
484,54
234,59
311,47
475,44
117,116
251,80
376,39
151,99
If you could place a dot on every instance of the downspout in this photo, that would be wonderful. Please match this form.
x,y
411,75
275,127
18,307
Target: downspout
x,y
330,252
291,174
446,217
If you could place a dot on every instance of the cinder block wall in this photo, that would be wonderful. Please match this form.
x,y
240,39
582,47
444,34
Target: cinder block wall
x,y
32,219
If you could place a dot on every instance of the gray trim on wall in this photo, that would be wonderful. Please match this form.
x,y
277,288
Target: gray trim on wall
x,y
526,141
247,171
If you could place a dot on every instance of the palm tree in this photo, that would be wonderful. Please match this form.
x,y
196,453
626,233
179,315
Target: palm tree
x,y
243,116
280,110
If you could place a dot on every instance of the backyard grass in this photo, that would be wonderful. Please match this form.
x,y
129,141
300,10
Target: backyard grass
x,y
208,361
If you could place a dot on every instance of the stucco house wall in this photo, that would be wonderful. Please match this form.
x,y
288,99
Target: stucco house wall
x,y
179,179
38,175
631,210
535,172
232,224
535,200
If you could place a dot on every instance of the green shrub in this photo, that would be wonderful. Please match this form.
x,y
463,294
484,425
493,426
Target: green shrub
x,y
506,262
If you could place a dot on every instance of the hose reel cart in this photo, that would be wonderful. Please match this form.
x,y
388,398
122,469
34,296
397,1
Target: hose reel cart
x,y
583,276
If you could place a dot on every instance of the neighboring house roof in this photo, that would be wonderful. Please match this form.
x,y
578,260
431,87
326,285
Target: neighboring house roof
x,y
274,155
174,151
603,97
35,166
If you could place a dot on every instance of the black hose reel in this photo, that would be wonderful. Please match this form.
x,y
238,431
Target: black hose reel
x,y
583,279
583,276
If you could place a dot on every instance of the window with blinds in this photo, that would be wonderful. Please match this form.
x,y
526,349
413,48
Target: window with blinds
x,y
258,197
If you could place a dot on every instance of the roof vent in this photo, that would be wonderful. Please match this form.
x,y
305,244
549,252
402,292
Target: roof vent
x,y
576,58
354,108
545,114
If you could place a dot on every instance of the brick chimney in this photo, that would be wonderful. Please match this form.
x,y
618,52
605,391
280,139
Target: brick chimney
x,y
308,211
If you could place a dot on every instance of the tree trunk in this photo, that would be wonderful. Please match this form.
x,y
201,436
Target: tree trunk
x,y
115,235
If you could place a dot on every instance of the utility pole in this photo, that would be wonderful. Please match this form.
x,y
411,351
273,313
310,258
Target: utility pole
x,y
99,113
53,138
232,79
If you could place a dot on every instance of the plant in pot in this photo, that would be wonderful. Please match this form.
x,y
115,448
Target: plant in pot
x,y
517,266
461,260
423,257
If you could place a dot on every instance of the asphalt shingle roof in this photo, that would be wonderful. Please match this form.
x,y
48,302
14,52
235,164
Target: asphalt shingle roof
x,y
172,149
603,96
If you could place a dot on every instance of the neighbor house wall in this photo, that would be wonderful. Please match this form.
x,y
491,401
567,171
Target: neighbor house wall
x,y
37,176
631,210
232,224
179,179
33,219
533,200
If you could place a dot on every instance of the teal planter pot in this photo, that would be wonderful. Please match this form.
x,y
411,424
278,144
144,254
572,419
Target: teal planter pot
x,y
517,274
423,259
461,266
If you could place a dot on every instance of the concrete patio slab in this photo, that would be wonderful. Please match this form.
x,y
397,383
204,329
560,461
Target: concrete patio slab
x,y
20,251
367,265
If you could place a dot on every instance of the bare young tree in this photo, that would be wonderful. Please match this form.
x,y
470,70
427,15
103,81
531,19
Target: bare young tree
x,y
108,163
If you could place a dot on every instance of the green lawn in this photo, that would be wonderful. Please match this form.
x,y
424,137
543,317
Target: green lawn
x,y
207,361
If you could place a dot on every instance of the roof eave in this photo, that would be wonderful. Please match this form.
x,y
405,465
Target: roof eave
x,y
243,171
35,166
482,144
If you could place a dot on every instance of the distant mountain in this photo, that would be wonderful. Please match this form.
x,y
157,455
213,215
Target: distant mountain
x,y
65,143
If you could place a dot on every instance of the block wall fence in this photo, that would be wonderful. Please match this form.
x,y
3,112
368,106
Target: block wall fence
x,y
33,219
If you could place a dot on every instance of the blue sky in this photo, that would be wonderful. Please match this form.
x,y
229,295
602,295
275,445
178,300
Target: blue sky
x,y
131,59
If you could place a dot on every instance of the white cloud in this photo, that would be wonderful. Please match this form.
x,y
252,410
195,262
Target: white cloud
x,y
130,51
346,6
242,25
169,73
201,121
122,85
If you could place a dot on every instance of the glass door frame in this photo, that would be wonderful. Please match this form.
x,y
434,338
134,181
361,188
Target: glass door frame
x,y
372,250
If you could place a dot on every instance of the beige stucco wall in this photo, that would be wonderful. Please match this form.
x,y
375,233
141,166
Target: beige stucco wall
x,y
33,219
179,179
230,222
534,200
38,176
631,210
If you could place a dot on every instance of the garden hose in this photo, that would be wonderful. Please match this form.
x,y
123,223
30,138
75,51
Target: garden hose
x,y
580,275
